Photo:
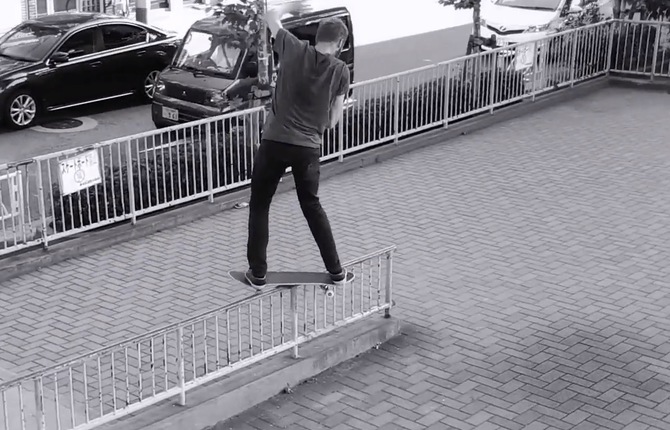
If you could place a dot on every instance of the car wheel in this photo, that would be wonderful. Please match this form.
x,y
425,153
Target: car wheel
x,y
149,86
21,110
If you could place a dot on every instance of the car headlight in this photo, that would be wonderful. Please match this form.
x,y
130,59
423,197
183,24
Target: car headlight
x,y
160,85
537,28
218,99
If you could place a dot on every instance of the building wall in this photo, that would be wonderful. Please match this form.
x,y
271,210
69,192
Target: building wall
x,y
12,14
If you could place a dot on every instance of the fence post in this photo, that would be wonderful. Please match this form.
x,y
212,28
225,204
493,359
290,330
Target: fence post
x,y
493,72
447,96
294,319
180,366
41,204
396,110
657,41
573,58
610,48
131,182
340,137
39,404
389,284
536,57
210,161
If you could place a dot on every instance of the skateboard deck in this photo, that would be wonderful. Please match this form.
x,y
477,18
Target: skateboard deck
x,y
290,279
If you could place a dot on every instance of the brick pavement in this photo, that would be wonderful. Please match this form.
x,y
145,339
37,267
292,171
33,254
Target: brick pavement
x,y
532,270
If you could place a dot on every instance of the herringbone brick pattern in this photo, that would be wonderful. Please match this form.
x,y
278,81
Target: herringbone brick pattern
x,y
532,271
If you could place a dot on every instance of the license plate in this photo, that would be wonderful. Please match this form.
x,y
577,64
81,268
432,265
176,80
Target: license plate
x,y
171,114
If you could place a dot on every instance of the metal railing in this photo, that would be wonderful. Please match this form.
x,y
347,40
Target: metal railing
x,y
153,171
641,48
129,376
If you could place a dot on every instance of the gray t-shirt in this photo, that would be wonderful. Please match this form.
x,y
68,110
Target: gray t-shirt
x,y
307,84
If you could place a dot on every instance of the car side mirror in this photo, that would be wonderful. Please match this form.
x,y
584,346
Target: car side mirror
x,y
574,9
59,57
250,69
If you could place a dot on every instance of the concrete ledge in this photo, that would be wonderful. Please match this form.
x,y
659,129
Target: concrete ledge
x,y
88,242
660,83
244,389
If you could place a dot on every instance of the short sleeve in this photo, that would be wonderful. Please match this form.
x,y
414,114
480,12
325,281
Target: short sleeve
x,y
285,42
345,81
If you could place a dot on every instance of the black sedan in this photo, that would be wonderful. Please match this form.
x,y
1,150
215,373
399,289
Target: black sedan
x,y
64,60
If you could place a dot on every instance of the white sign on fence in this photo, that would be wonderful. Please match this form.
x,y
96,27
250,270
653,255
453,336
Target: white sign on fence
x,y
11,196
79,172
524,56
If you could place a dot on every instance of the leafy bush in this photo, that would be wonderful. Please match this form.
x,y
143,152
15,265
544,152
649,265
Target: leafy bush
x,y
159,176
423,105
633,46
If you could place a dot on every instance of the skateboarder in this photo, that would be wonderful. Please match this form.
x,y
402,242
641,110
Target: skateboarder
x,y
309,97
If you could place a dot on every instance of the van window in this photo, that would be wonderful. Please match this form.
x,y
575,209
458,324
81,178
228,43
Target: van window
x,y
308,32
209,54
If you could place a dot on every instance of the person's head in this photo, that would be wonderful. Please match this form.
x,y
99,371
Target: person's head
x,y
331,35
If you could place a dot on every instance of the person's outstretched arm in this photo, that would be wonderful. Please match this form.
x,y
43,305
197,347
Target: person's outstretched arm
x,y
273,16
283,38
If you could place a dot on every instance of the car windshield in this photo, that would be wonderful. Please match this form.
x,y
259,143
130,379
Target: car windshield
x,y
531,4
30,41
209,54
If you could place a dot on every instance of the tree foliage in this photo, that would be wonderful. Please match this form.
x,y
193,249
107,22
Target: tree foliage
x,y
590,14
244,19
648,9
460,4
654,9
476,6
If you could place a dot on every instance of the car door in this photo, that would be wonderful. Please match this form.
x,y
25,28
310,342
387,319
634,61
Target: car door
x,y
128,49
74,81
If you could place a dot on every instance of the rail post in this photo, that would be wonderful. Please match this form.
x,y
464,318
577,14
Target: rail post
x,y
180,366
396,111
389,284
42,204
294,320
447,96
210,161
131,182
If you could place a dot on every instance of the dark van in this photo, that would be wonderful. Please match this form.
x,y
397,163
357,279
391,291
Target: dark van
x,y
209,71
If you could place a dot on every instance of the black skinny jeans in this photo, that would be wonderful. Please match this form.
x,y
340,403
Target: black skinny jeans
x,y
270,163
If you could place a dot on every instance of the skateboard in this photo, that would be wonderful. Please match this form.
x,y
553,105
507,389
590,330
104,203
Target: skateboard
x,y
290,279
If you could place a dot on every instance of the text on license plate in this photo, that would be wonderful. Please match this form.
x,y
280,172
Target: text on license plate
x,y
171,114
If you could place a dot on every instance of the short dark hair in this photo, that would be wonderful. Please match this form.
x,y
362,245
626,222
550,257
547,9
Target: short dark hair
x,y
331,30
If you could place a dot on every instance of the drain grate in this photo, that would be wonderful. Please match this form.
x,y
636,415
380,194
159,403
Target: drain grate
x,y
63,124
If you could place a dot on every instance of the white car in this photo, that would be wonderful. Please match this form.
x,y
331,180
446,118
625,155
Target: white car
x,y
521,21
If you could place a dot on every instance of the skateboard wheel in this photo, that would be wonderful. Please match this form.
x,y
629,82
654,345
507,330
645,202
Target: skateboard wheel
x,y
330,294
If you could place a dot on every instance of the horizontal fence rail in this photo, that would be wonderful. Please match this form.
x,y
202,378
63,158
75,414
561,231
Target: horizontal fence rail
x,y
156,170
123,378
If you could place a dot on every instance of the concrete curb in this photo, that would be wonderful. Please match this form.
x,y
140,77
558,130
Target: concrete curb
x,y
660,83
231,395
92,241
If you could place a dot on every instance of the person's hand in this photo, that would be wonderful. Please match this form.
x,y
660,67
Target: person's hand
x,y
275,13
293,6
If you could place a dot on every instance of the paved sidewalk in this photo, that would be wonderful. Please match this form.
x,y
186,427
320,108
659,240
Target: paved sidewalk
x,y
532,270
